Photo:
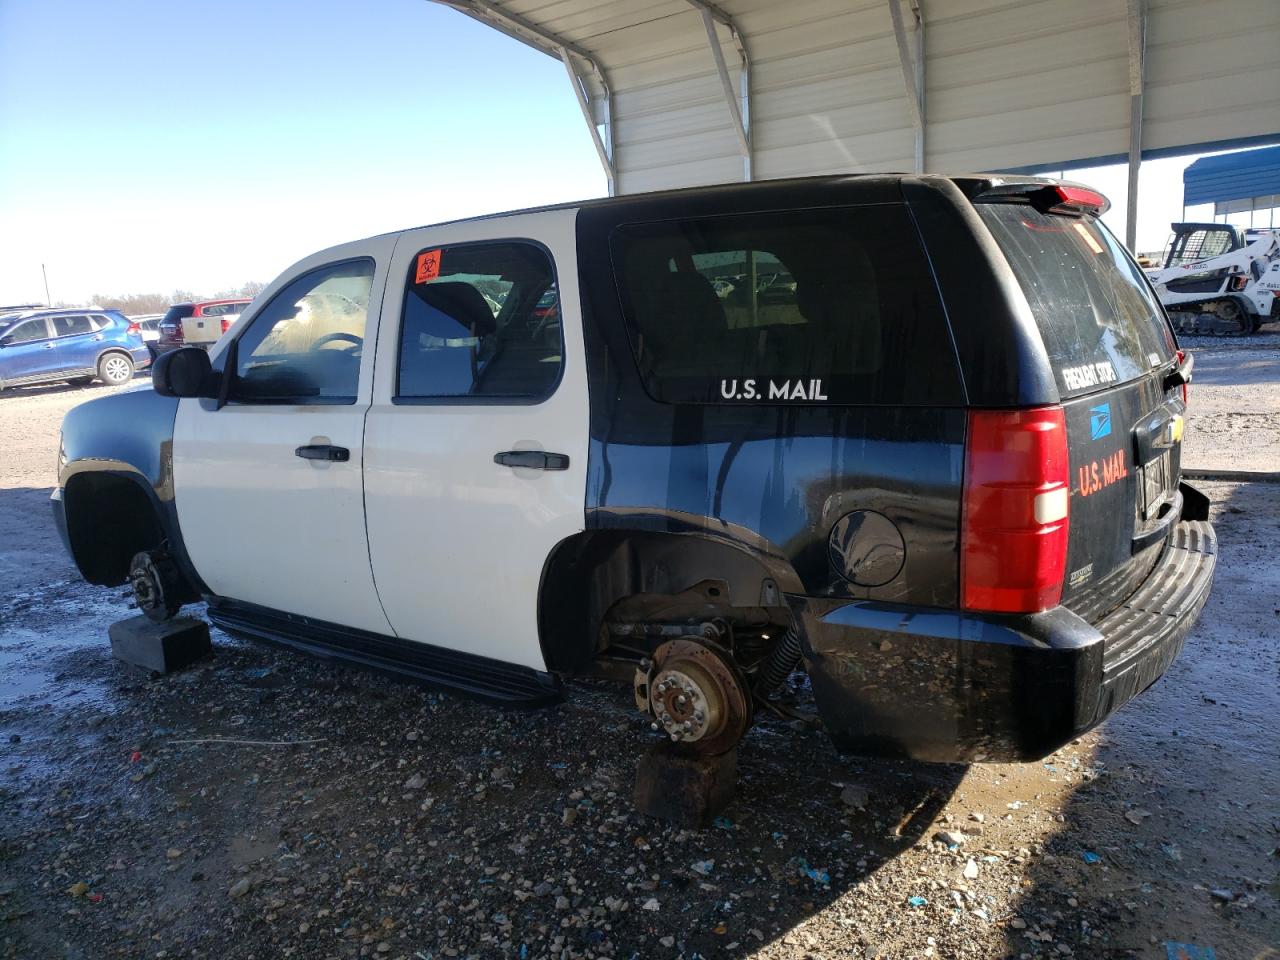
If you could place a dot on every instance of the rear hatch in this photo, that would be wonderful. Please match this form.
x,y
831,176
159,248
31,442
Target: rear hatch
x,y
1112,354
171,323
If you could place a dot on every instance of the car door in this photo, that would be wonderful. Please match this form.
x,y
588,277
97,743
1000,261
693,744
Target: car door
x,y
268,487
79,340
28,352
476,443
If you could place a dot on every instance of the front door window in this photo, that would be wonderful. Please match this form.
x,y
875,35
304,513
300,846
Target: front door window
x,y
305,345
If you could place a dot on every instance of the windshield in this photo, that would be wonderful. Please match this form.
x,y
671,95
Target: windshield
x,y
1098,318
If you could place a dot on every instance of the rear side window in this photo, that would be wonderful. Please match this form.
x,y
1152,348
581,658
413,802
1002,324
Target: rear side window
x,y
70,325
1097,316
480,324
834,305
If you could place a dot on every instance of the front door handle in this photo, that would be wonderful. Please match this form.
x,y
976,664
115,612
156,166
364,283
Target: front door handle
x,y
323,451
532,459
50,346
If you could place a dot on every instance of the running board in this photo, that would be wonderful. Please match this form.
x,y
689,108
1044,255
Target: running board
x,y
480,678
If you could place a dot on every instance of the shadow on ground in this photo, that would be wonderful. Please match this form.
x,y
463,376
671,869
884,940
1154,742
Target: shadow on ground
x,y
15,393
1167,848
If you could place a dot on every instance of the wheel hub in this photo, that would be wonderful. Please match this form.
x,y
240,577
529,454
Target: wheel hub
x,y
156,585
694,695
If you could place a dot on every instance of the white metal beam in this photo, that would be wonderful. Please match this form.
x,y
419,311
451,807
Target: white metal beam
x,y
739,105
566,51
1137,17
911,59
603,149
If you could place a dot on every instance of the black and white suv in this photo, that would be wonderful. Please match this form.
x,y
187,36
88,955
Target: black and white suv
x,y
919,435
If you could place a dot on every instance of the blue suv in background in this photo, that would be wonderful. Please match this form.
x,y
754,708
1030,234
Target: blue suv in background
x,y
78,345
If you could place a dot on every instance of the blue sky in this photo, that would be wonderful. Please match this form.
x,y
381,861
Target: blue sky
x,y
147,145
154,145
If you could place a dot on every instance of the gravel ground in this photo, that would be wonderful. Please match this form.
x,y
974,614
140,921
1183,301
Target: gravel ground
x,y
371,818
1235,403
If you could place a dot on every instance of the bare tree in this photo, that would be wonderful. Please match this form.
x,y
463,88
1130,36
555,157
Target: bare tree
x,y
132,304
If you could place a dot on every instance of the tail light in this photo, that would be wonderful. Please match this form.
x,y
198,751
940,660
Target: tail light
x,y
226,324
134,328
1014,521
1238,282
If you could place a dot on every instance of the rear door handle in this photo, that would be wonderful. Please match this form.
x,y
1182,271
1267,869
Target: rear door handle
x,y
532,459
323,451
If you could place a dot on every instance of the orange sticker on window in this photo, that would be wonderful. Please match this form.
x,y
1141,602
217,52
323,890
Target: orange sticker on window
x,y
428,266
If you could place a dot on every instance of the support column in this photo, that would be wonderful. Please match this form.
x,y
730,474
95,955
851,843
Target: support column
x,y
603,145
1137,55
911,58
739,105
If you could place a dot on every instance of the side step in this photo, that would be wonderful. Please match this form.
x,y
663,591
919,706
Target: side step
x,y
481,678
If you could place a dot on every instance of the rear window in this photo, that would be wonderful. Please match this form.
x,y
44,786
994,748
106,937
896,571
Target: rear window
x,y
179,312
834,305
1100,323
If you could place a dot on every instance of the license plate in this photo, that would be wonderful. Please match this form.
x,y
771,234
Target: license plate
x,y
1156,488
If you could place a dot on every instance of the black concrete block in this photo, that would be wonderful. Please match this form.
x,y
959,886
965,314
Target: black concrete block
x,y
682,788
159,647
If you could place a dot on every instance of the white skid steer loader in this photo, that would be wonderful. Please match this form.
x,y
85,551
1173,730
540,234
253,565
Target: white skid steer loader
x,y
1219,279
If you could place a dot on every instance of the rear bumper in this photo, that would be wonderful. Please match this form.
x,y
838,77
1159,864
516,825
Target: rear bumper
x,y
950,686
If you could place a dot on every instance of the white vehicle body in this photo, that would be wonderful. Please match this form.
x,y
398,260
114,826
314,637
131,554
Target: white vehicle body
x,y
421,476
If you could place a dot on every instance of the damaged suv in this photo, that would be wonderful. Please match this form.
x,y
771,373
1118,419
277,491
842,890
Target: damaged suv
x,y
917,435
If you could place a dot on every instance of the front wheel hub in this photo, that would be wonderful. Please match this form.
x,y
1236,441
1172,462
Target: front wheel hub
x,y
156,586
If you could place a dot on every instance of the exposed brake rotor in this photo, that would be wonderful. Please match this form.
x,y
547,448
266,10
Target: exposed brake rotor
x,y
695,695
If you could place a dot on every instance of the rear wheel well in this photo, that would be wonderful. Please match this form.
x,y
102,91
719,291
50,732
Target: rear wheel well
x,y
597,576
109,519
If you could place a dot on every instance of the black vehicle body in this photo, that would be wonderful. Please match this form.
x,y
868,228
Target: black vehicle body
x,y
748,496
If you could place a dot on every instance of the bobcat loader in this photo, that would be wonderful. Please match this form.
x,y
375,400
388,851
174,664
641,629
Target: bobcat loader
x,y
1219,279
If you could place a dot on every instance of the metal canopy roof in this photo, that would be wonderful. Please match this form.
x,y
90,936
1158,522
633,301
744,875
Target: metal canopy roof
x,y
1236,176
687,92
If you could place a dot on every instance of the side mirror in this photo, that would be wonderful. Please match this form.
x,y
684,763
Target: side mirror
x,y
5,341
184,373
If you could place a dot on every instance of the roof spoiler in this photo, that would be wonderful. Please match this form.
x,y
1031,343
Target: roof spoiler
x,y
1070,199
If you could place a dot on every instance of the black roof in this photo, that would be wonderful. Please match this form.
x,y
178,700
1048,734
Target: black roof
x,y
969,183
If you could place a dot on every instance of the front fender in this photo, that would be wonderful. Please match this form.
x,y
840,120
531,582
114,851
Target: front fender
x,y
128,433
127,436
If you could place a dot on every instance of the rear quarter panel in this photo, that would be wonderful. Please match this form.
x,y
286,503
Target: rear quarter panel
x,y
771,479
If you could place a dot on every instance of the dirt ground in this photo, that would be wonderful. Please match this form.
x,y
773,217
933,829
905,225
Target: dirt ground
x,y
371,818
1235,403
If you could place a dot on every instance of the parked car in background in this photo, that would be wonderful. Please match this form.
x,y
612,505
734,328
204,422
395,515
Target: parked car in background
x,y
149,324
78,345
198,324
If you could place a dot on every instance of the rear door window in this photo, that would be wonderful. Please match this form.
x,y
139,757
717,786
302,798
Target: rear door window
x,y
481,324
68,326
835,305
1099,320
